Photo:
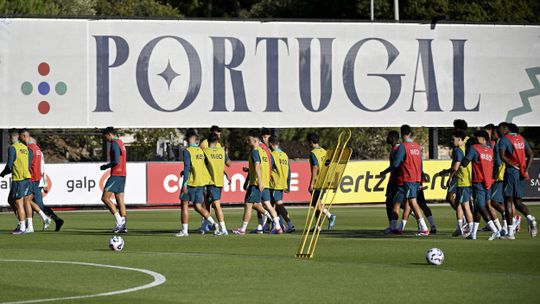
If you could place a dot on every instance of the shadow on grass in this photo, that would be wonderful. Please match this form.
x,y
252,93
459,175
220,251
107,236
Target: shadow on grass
x,y
363,234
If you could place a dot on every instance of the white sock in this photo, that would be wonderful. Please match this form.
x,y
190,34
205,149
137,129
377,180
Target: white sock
x,y
327,213
210,220
459,225
422,224
22,225
498,224
471,227
42,215
118,218
222,225
185,228
511,230
276,223
29,223
393,224
505,226
403,224
431,221
123,219
491,226
530,218
244,226
475,228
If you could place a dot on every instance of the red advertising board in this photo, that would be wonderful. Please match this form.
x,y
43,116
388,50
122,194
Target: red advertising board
x,y
164,183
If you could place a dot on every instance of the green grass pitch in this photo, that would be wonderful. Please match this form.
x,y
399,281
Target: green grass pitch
x,y
354,263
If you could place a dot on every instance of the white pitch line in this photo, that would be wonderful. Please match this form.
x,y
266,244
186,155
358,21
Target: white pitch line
x,y
158,280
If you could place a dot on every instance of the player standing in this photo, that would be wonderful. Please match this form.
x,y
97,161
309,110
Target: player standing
x,y
205,227
216,159
408,163
280,181
517,155
316,159
480,155
196,178
116,183
18,164
259,183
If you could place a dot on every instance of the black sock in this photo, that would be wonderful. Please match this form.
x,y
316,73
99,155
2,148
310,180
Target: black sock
x,y
48,211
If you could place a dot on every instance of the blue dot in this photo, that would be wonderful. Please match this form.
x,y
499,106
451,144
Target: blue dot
x,y
44,88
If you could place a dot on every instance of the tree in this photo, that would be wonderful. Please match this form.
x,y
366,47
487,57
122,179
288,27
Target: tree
x,y
135,8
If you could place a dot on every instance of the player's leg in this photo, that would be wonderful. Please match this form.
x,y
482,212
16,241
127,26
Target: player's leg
x,y
27,201
422,203
405,216
21,215
248,207
265,197
198,205
37,205
184,219
120,202
216,204
399,200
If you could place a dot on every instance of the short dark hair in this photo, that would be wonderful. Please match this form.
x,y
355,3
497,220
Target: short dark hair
x,y
274,140
459,134
393,135
109,130
513,128
215,128
265,131
489,127
460,124
405,130
312,138
254,133
481,133
23,130
13,132
212,137
191,132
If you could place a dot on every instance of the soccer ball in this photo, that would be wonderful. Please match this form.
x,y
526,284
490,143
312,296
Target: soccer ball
x,y
435,256
116,243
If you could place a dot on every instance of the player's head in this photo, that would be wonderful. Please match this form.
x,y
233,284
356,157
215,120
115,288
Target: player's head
x,y
392,138
265,135
273,141
503,129
253,137
312,139
513,128
191,136
13,135
24,136
489,128
481,136
216,130
213,139
458,138
109,133
460,124
406,131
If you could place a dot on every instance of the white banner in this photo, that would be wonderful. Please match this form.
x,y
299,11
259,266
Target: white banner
x,y
82,184
145,73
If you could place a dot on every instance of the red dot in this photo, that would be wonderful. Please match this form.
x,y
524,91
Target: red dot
x,y
44,107
43,69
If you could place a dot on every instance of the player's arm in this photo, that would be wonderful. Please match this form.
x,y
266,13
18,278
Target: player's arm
x,y
502,151
11,160
187,168
471,156
30,158
397,157
314,171
203,144
529,155
289,180
227,160
115,148
456,163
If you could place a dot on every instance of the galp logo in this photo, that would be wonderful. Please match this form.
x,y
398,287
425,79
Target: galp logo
x,y
43,88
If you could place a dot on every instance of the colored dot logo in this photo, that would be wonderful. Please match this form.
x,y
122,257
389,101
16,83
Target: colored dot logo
x,y
43,88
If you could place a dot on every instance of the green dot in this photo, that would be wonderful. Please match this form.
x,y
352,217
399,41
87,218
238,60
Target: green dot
x,y
60,88
27,88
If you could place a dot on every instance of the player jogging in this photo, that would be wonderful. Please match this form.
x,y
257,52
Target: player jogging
x,y
408,163
259,183
317,158
515,152
280,181
480,155
216,159
116,183
196,178
39,184
18,164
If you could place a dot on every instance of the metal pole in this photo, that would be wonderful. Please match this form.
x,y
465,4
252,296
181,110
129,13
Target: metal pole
x,y
372,9
433,143
396,10
4,144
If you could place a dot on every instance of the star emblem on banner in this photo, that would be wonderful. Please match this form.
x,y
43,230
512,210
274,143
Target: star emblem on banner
x,y
169,74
